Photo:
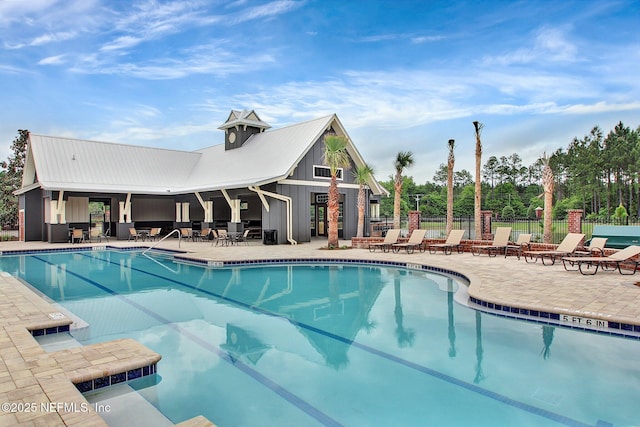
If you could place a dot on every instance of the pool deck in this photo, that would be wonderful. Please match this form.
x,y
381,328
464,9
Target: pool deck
x,y
507,282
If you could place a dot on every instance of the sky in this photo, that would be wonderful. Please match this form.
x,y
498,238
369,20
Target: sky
x,y
401,75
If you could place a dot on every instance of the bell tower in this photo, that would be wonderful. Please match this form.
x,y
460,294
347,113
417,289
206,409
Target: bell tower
x,y
240,126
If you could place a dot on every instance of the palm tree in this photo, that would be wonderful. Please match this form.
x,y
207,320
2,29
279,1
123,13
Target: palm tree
x,y
547,184
404,159
450,163
336,157
477,206
362,175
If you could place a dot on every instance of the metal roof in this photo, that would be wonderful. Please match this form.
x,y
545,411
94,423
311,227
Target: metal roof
x,y
92,166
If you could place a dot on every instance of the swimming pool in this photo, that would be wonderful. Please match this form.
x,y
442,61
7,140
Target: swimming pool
x,y
336,344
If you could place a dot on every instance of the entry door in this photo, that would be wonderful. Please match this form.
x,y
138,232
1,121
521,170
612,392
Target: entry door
x,y
321,220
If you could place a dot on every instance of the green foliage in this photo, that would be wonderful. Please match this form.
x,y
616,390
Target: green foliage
x,y
562,206
464,202
534,202
11,180
508,212
620,213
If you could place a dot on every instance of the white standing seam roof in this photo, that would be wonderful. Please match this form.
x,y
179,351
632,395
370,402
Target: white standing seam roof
x,y
91,166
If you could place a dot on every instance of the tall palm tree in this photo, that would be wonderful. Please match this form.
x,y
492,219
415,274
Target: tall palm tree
x,y
450,163
547,185
477,206
362,175
335,157
404,159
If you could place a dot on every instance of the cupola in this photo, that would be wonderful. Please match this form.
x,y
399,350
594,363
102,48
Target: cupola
x,y
239,127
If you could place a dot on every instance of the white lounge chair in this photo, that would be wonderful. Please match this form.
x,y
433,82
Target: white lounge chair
x,y
615,260
567,247
415,241
453,241
391,238
499,244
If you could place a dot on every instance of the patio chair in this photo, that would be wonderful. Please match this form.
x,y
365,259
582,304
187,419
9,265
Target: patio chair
x,y
205,233
391,238
215,237
77,235
415,241
223,237
523,243
186,233
453,241
500,243
614,261
134,234
243,237
154,233
566,248
94,234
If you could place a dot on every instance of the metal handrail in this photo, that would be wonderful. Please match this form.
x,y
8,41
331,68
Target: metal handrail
x,y
161,240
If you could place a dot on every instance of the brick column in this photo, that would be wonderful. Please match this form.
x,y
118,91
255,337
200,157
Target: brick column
x,y
486,216
414,221
575,220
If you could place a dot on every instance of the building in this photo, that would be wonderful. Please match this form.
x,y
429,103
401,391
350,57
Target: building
x,y
261,178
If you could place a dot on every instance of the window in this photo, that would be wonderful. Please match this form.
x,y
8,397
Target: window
x,y
324,172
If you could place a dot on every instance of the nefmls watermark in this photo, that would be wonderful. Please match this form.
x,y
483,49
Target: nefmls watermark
x,y
49,407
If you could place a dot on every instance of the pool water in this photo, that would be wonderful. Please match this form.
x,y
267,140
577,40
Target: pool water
x,y
332,345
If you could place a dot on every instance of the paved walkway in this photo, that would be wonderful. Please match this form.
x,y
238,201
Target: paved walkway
x,y
511,282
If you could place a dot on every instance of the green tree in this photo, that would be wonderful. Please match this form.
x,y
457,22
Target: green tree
x,y
362,175
335,157
11,180
403,160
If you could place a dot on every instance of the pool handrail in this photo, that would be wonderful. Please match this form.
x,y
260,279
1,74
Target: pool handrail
x,y
161,240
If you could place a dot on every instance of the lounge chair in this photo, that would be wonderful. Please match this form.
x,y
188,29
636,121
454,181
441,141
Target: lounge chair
x,y
453,241
500,242
523,243
595,248
415,241
615,260
566,248
390,239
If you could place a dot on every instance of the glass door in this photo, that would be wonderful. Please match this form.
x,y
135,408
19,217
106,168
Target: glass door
x,y
321,220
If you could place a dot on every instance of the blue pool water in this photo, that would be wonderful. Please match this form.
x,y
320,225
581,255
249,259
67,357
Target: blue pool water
x,y
332,345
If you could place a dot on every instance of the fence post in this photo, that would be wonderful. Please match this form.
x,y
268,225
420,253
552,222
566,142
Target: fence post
x,y
575,220
414,221
486,216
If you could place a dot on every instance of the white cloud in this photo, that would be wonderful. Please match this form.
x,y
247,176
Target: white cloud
x,y
550,45
52,60
53,37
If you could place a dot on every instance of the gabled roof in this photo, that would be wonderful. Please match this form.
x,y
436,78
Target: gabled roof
x,y
68,164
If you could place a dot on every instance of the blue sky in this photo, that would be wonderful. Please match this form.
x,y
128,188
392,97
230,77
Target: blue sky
x,y
400,75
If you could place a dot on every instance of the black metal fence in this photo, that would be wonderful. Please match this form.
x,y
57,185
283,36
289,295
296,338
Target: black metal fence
x,y
436,226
